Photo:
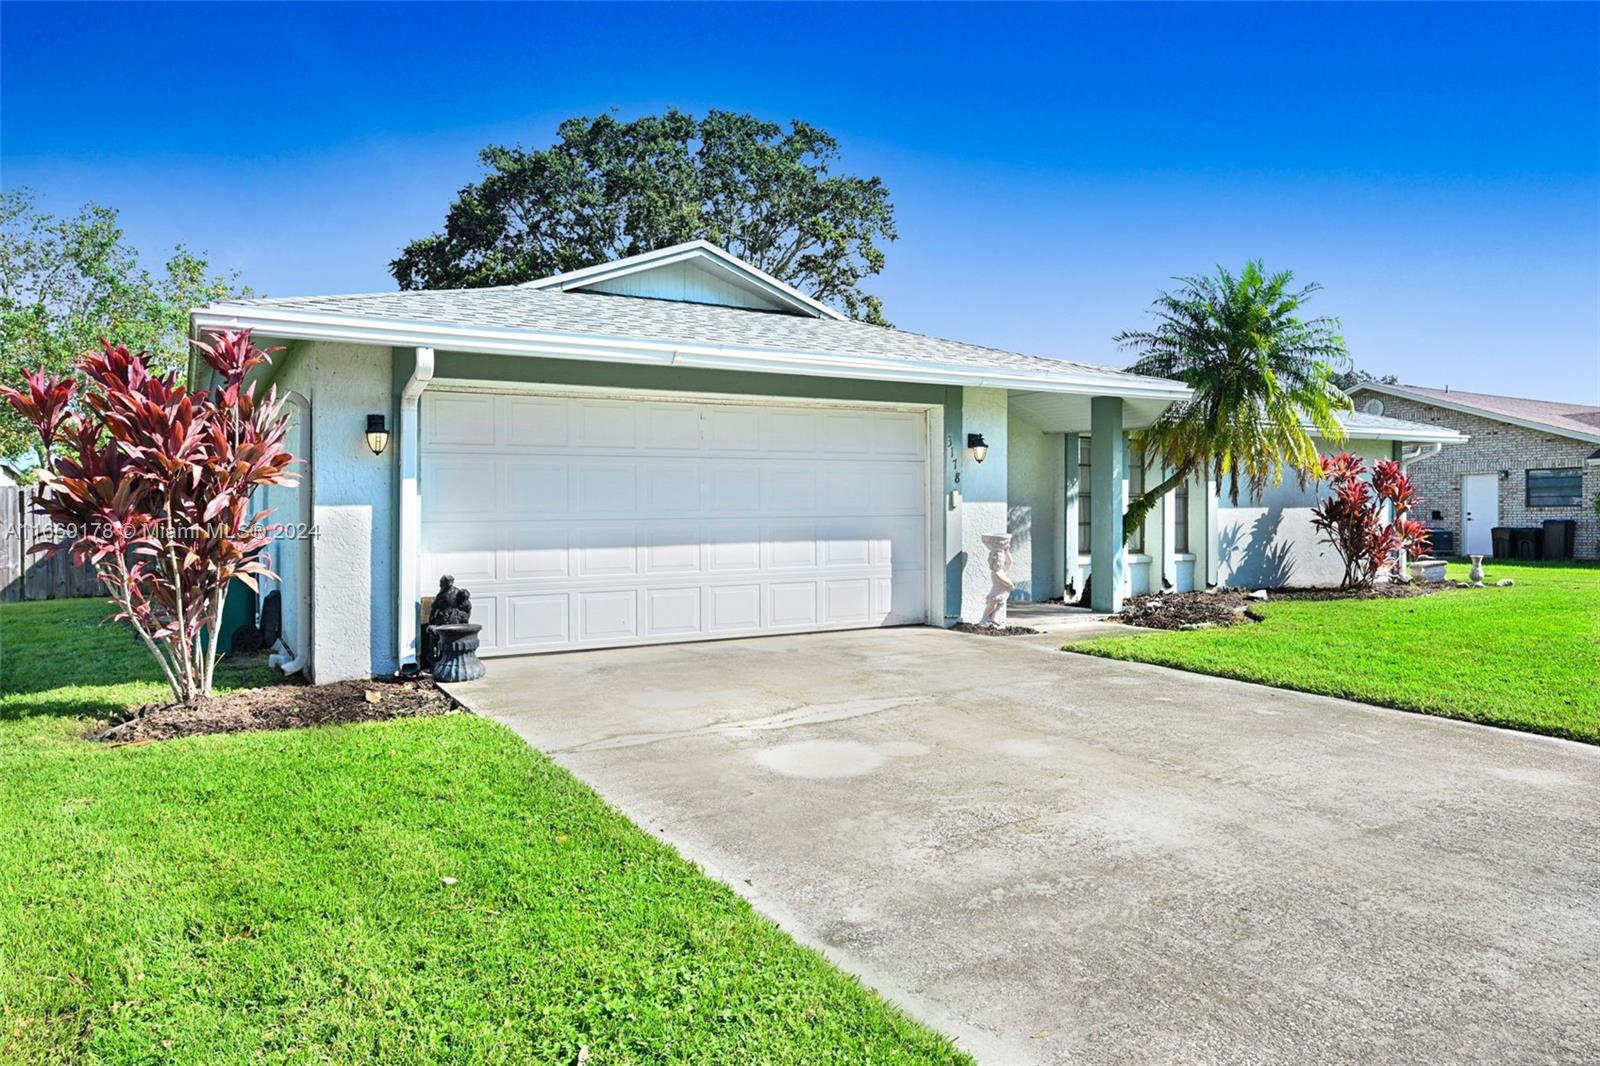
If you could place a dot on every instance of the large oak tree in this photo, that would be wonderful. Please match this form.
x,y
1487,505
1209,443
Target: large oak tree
x,y
610,188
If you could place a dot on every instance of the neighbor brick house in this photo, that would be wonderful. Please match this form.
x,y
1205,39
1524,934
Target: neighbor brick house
x,y
1525,461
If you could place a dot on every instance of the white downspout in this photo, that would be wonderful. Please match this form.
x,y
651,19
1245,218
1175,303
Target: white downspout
x,y
302,626
1407,457
410,507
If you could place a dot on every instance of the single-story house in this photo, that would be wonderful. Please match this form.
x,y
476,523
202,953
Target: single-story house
x,y
1528,461
677,446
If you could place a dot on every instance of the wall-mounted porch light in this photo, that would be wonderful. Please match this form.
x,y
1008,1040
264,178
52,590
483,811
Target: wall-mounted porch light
x,y
377,434
978,446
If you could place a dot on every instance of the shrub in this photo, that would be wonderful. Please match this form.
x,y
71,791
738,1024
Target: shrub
x,y
1351,518
151,482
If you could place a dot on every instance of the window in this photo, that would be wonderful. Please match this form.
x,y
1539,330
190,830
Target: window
x,y
1135,490
1085,511
1561,487
1180,518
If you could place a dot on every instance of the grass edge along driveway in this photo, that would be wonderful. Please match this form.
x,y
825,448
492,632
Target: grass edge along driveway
x,y
1525,657
422,890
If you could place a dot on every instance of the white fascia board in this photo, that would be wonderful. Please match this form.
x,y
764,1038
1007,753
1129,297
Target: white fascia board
x,y
450,337
1420,434
1482,412
724,262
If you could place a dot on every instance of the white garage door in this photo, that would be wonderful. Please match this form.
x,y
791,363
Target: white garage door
x,y
581,522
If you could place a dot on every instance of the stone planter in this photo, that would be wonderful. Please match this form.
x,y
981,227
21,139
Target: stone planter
x,y
1476,576
1429,571
456,653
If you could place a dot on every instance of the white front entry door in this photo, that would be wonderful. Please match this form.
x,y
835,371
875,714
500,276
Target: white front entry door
x,y
1480,512
582,521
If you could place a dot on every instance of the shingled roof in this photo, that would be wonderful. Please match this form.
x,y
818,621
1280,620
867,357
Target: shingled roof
x,y
1581,421
592,314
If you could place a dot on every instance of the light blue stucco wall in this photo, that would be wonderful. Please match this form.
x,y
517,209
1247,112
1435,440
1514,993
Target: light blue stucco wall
x,y
984,492
1269,543
1034,479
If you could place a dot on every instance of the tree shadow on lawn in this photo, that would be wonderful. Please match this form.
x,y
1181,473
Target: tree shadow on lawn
x,y
64,658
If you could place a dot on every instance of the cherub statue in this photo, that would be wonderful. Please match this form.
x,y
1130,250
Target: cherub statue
x,y
452,606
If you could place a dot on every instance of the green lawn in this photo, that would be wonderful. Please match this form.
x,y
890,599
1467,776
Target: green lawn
x,y
1526,657
282,897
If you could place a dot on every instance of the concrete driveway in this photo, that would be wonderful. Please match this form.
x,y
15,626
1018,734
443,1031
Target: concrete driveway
x,y
1062,859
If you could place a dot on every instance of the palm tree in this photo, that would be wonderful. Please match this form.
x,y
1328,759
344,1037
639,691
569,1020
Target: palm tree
x,y
1259,375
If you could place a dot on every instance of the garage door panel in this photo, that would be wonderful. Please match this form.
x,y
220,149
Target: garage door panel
x,y
533,422
672,548
789,545
895,434
733,609
672,488
896,493
847,544
607,551
847,601
604,424
791,604
900,544
459,419
732,546
533,486
593,522
537,620
537,552
461,486
607,488
842,432
607,615
731,429
788,432
732,487
669,427
672,612
788,488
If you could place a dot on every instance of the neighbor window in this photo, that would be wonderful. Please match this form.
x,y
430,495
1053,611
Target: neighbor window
x,y
1085,511
1135,490
1180,518
1561,487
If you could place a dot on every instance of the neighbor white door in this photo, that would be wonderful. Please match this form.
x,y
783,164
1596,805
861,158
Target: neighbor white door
x,y
1480,512
583,521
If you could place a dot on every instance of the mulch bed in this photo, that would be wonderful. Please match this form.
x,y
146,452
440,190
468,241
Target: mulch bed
x,y
994,631
1231,607
1188,610
286,706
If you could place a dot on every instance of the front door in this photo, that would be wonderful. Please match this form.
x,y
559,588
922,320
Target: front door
x,y
1480,511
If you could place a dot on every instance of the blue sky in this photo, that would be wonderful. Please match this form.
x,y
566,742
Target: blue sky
x,y
1436,167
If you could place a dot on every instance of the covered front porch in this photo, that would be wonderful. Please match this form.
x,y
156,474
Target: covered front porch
x,y
1057,475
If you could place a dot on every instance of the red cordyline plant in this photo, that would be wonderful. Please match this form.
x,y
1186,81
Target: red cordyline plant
x,y
150,482
1352,517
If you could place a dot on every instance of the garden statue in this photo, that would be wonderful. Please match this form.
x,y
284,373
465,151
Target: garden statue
x,y
452,639
994,610
452,606
1476,574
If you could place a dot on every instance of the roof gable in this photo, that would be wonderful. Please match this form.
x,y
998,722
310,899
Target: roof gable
x,y
696,272
1579,421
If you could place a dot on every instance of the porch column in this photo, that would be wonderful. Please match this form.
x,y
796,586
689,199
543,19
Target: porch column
x,y
1108,480
1070,548
1212,540
1169,533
